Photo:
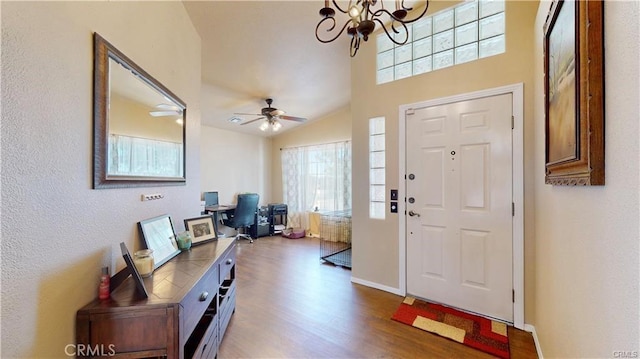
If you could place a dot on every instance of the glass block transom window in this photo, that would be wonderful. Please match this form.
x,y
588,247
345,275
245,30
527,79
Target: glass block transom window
x,y
377,187
466,32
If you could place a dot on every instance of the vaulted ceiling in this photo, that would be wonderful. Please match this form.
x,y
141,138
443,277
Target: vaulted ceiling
x,y
253,50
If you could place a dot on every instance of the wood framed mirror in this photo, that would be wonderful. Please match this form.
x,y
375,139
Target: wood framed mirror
x,y
139,125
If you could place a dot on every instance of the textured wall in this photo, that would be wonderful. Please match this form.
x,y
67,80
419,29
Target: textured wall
x,y
233,162
57,232
587,238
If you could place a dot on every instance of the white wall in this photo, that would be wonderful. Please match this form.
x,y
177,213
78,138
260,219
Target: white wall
x,y
587,238
233,162
57,232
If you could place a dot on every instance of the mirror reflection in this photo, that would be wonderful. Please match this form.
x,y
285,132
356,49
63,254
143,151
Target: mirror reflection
x,y
139,125
145,128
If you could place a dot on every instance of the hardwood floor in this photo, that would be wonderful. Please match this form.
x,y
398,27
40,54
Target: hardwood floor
x,y
290,305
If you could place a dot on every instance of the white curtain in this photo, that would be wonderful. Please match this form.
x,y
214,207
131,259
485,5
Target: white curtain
x,y
134,156
316,178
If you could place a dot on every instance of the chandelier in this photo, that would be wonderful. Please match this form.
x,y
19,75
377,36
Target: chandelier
x,y
362,16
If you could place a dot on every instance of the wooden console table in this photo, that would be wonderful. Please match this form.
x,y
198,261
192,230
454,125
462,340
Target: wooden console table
x,y
191,299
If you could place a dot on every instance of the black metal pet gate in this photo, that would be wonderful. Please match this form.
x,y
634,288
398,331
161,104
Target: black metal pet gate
x,y
335,237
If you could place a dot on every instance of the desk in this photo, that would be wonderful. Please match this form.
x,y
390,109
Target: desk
x,y
277,218
215,209
220,207
260,228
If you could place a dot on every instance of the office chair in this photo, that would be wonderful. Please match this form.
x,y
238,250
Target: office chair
x,y
244,214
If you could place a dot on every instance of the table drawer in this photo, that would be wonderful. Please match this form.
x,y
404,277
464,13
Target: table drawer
x,y
227,304
209,342
130,330
211,348
195,303
227,264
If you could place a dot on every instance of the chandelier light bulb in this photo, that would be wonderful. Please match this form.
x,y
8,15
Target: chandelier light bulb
x,y
354,12
362,19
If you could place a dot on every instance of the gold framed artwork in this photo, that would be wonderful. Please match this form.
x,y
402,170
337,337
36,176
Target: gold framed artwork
x,y
203,229
574,93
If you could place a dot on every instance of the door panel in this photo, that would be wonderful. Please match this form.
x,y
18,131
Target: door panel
x,y
459,245
434,160
474,168
432,250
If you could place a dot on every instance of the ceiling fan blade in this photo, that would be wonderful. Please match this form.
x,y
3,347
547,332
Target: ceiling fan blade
x,y
276,112
165,113
247,114
163,109
291,118
248,122
164,106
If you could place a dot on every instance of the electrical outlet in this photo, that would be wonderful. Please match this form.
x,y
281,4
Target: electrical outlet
x,y
151,197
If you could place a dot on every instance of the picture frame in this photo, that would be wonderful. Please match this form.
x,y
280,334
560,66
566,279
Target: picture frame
x,y
203,229
158,234
140,288
574,93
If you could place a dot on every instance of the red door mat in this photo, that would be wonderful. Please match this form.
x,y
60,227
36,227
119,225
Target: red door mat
x,y
474,331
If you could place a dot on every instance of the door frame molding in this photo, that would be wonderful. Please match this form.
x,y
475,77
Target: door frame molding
x,y
517,91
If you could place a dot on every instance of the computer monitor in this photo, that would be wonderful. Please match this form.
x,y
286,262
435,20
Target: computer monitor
x,y
211,199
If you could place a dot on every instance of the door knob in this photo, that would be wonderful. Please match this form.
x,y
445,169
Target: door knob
x,y
412,213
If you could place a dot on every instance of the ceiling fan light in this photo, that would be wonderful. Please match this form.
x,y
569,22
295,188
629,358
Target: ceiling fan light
x,y
271,118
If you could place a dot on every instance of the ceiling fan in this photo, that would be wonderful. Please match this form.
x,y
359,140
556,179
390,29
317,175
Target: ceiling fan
x,y
164,109
272,115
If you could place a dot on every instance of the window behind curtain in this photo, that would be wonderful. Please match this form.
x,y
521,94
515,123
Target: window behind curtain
x,y
134,156
316,178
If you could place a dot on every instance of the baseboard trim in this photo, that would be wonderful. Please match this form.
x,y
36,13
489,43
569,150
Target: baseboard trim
x,y
385,288
531,329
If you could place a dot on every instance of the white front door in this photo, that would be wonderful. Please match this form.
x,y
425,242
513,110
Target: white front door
x,y
459,205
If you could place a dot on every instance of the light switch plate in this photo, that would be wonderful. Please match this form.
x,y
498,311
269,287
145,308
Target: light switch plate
x,y
394,207
151,197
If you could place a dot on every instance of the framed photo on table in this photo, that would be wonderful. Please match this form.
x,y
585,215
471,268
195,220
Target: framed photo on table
x,y
203,229
574,93
140,288
159,235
